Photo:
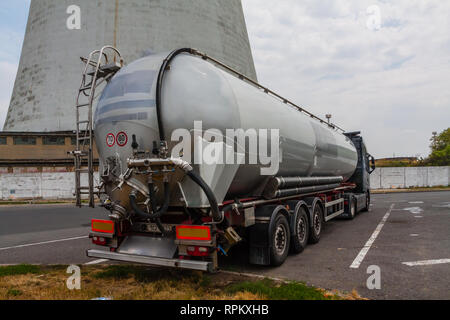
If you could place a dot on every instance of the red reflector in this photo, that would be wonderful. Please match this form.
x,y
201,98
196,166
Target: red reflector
x,y
193,233
105,226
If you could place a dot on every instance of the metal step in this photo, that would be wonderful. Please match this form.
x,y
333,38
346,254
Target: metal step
x,y
85,88
106,69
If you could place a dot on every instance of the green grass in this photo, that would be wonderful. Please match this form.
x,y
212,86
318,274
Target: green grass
x,y
285,291
14,292
6,203
18,270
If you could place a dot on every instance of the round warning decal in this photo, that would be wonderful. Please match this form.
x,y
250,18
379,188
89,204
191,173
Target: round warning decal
x,y
122,139
110,139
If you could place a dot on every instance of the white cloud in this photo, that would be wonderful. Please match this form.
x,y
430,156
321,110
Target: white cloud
x,y
392,83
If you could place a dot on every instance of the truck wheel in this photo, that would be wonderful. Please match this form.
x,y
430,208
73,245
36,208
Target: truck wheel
x,y
366,208
316,224
300,239
352,208
280,240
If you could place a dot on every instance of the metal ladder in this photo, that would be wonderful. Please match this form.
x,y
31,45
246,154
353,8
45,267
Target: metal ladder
x,y
101,66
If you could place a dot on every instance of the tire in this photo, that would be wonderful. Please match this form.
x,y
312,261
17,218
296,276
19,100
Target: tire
x,y
366,208
352,208
316,224
280,237
299,240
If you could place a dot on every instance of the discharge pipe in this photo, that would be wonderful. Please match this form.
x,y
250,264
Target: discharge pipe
x,y
216,214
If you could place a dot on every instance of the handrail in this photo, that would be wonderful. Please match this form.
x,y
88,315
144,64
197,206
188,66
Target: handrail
x,y
265,89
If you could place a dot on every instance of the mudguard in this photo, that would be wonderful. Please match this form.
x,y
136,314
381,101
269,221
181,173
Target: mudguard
x,y
259,234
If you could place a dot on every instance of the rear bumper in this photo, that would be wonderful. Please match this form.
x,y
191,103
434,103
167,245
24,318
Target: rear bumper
x,y
154,261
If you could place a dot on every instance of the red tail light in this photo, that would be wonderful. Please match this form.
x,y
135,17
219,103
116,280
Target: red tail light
x,y
100,241
197,251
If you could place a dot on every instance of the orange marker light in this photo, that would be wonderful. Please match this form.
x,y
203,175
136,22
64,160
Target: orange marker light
x,y
105,226
193,233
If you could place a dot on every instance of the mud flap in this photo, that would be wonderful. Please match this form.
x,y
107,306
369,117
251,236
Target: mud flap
x,y
259,234
259,244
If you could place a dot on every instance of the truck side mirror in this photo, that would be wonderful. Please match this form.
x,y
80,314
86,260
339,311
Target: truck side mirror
x,y
372,163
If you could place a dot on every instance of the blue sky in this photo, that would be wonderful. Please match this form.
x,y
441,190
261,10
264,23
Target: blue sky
x,y
13,21
391,80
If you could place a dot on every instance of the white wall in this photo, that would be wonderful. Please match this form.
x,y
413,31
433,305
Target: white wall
x,y
406,177
40,185
61,185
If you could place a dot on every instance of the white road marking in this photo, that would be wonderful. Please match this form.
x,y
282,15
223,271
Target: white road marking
x,y
426,262
414,235
414,210
418,216
360,257
42,243
96,262
415,202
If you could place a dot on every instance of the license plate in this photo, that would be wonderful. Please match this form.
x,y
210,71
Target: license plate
x,y
152,227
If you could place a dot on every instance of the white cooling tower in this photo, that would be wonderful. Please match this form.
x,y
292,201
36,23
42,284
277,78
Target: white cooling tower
x,y
60,31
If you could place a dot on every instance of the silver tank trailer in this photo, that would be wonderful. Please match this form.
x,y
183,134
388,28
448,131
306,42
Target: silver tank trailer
x,y
197,90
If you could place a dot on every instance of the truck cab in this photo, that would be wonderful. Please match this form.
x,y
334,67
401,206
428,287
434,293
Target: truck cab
x,y
361,176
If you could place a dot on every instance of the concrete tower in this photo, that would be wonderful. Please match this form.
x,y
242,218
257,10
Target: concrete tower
x,y
60,31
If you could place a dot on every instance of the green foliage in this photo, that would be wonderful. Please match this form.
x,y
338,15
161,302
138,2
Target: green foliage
x,y
285,291
17,270
440,150
14,292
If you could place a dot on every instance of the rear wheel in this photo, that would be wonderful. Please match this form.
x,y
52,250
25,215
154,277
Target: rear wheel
x,y
280,240
352,208
316,224
299,240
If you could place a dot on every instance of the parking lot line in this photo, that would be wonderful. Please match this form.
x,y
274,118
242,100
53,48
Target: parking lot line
x,y
426,262
42,243
360,257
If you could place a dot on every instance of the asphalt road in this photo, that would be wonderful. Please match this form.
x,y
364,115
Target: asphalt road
x,y
398,232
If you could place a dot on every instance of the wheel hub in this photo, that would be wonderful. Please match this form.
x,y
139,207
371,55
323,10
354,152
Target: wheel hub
x,y
301,229
280,239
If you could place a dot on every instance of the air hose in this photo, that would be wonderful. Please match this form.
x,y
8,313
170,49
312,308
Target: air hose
x,y
159,83
187,168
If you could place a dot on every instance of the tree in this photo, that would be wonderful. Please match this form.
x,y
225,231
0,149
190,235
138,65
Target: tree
x,y
440,149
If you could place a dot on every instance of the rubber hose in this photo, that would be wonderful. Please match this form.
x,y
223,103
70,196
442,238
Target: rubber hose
x,y
215,212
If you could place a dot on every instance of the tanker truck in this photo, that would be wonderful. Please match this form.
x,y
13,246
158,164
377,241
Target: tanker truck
x,y
194,158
